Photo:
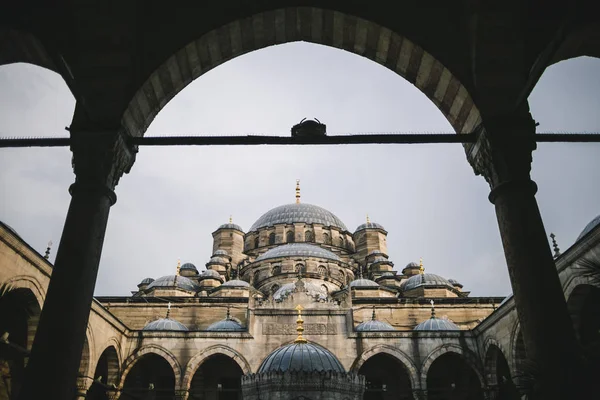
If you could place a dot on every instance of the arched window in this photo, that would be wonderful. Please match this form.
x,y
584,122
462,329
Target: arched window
x,y
341,241
289,237
276,270
309,237
326,238
256,276
274,288
256,242
272,238
300,269
322,270
325,288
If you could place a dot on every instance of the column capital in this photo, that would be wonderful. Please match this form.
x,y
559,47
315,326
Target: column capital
x,y
99,160
503,152
83,384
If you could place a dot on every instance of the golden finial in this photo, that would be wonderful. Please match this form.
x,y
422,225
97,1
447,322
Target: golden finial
x,y
297,191
300,327
421,269
230,220
178,266
368,220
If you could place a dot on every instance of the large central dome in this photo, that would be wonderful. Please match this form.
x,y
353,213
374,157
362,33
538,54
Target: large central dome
x,y
298,212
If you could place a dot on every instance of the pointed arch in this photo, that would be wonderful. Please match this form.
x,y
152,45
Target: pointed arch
x,y
467,355
151,349
199,358
397,354
316,25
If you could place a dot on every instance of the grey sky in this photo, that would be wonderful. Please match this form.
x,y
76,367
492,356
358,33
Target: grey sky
x,y
426,196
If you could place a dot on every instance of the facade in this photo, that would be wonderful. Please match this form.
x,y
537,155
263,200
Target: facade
x,y
297,307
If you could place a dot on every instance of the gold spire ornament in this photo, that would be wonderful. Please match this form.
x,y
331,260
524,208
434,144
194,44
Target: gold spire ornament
x,y
230,219
297,191
178,267
300,327
368,220
421,269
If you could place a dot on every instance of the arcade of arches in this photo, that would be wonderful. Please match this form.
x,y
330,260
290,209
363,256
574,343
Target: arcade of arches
x,y
476,61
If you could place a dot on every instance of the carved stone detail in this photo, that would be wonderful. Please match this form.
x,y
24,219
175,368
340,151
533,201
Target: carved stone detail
x,y
100,158
290,329
502,153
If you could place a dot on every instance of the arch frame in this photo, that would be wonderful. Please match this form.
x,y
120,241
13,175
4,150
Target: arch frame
x,y
490,341
195,362
169,357
575,282
398,355
467,355
31,283
111,342
327,27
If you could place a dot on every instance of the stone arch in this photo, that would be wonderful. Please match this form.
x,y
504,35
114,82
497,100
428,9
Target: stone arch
x,y
289,237
28,282
272,238
199,358
570,286
151,349
493,350
87,354
467,355
21,46
518,358
397,354
114,362
326,27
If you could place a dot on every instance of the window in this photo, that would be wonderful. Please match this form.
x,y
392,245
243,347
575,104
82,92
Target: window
x,y
274,288
322,270
256,242
289,237
272,238
341,241
276,270
326,238
309,237
300,269
256,276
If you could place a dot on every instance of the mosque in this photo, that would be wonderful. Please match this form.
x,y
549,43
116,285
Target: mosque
x,y
296,307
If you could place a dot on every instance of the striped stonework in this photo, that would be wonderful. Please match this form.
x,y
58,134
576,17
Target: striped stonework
x,y
326,27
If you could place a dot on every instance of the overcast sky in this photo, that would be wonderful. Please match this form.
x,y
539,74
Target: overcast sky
x,y
426,196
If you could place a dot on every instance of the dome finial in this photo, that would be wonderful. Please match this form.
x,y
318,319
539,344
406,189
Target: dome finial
x,y
228,317
373,314
178,267
368,220
297,191
47,255
230,219
555,245
421,269
300,327
432,309
168,310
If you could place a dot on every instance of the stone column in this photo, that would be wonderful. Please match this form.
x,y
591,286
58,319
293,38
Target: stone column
x,y
99,160
503,156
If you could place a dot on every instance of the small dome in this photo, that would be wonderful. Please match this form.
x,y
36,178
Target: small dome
x,y
362,283
456,283
427,280
221,252
174,281
374,326
305,357
379,259
437,324
225,325
370,225
189,266
298,212
231,226
411,265
218,260
298,250
236,283
210,274
310,288
589,227
146,281
165,324
375,252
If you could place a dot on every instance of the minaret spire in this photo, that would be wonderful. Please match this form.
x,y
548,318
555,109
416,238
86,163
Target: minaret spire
x,y
297,191
300,325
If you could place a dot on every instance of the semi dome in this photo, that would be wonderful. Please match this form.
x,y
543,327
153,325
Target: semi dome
x,y
236,283
310,288
174,281
231,226
589,227
362,283
298,250
427,280
369,225
437,324
298,212
305,357
165,324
